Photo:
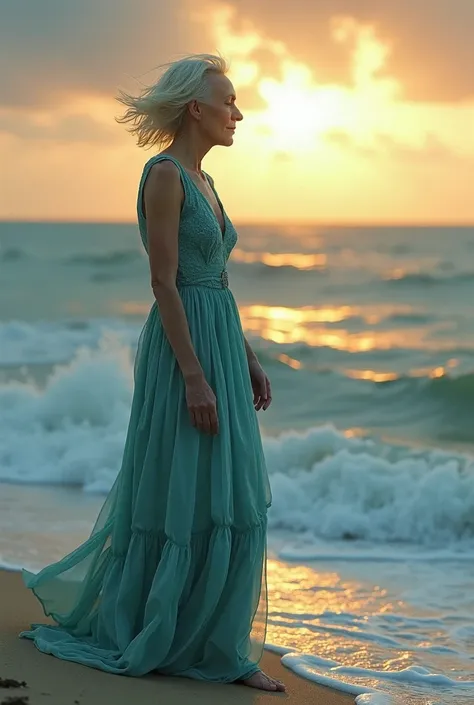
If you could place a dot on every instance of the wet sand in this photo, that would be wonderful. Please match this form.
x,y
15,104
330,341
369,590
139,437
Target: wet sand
x,y
52,681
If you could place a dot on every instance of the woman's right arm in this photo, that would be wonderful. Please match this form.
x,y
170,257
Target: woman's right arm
x,y
162,204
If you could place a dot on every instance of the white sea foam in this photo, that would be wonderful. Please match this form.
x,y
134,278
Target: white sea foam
x,y
328,485
330,673
53,342
382,611
395,508
71,430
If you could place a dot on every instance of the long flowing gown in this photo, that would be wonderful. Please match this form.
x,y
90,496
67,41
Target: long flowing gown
x,y
172,578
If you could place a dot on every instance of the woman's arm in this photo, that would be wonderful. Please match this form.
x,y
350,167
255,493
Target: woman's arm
x,y
251,357
262,389
162,202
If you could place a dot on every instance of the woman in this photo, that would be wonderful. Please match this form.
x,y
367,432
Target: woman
x,y
171,577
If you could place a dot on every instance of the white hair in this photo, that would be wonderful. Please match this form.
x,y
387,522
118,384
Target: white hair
x,y
156,113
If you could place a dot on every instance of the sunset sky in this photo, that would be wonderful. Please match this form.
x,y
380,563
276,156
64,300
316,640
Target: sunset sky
x,y
354,111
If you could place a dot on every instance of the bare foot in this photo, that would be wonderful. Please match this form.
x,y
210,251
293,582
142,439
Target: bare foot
x,y
263,682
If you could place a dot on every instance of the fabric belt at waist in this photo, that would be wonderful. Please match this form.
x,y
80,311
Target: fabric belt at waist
x,y
214,281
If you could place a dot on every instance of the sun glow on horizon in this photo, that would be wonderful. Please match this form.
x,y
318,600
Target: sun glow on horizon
x,y
307,151
326,148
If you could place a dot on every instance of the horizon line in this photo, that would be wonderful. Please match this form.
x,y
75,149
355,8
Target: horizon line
x,y
280,222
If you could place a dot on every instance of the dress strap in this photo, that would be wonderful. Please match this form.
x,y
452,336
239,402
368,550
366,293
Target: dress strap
x,y
146,170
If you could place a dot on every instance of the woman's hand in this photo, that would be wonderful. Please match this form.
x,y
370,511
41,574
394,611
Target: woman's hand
x,y
262,391
201,402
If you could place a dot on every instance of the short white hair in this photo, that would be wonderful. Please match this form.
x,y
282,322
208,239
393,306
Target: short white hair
x,y
156,114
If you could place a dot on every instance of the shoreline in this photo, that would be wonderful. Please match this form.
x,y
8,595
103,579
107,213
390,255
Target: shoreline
x,y
53,681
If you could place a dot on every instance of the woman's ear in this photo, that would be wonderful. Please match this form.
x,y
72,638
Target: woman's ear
x,y
195,109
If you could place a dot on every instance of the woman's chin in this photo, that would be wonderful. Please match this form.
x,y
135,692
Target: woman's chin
x,y
226,141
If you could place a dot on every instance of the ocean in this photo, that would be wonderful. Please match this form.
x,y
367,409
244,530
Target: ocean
x,y
367,334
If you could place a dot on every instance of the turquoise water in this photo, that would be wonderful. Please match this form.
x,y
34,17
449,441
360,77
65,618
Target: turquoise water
x,y
368,337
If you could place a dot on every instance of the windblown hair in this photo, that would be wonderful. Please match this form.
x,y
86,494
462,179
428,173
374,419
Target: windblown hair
x,y
156,114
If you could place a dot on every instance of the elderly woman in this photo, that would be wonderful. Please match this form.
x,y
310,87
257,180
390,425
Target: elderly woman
x,y
173,576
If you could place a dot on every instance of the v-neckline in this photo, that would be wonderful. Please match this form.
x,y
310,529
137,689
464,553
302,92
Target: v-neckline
x,y
218,200
219,204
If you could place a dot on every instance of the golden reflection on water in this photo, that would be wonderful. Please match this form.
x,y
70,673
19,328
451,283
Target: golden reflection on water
x,y
355,432
314,327
296,325
285,325
437,372
134,308
290,361
400,273
288,317
299,325
317,612
288,259
378,376
372,375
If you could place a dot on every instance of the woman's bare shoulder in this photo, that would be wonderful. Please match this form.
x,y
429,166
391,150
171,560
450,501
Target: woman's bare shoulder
x,y
164,178
163,190
165,170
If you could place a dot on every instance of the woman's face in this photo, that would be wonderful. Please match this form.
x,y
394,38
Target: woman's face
x,y
219,113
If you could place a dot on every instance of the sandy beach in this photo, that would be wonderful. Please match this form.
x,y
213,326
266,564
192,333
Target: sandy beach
x,y
51,681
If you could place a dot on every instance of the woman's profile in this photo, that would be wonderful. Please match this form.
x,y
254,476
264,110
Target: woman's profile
x,y
172,578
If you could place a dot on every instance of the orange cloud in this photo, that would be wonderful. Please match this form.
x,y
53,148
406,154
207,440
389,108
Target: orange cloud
x,y
431,40
329,133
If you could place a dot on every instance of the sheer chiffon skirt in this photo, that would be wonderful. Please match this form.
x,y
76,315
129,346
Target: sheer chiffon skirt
x,y
172,578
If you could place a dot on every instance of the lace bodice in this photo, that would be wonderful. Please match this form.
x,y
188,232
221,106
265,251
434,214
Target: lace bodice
x,y
203,248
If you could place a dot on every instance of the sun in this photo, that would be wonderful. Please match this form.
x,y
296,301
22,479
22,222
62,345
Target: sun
x,y
298,110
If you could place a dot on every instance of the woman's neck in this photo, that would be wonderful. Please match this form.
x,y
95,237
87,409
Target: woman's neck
x,y
189,151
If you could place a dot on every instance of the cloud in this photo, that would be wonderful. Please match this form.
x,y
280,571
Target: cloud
x,y
77,127
431,47
52,49
365,80
430,151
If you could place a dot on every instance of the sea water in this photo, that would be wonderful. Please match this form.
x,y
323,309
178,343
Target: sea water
x,y
367,335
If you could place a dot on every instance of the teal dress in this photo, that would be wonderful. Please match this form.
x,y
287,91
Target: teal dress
x,y
172,578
